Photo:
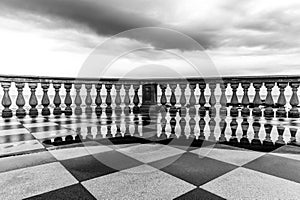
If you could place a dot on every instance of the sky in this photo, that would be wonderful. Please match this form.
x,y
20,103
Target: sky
x,y
186,38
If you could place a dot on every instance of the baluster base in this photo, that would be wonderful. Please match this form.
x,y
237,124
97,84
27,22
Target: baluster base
x,y
269,112
98,111
68,111
20,113
33,112
45,111
293,113
7,113
234,112
57,111
281,112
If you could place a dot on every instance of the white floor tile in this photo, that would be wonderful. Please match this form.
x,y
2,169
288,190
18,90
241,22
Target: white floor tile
x,y
236,157
26,182
10,148
142,182
150,152
244,183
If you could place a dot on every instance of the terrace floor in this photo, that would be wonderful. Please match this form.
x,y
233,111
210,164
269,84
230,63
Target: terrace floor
x,y
71,158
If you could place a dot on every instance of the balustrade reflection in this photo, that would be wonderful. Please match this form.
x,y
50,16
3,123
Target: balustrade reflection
x,y
227,110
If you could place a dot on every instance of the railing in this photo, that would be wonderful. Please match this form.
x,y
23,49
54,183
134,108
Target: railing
x,y
220,104
233,82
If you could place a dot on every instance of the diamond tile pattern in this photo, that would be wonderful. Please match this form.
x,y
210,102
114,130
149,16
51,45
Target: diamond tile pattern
x,y
110,169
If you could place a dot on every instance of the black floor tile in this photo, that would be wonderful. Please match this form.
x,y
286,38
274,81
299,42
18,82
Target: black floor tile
x,y
277,166
73,192
87,167
193,169
199,194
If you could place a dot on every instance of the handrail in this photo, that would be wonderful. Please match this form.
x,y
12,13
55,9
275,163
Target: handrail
x,y
227,79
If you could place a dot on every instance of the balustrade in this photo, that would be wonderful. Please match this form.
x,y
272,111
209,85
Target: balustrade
x,y
251,105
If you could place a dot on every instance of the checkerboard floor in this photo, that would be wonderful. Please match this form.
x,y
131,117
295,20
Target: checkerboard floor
x,y
104,169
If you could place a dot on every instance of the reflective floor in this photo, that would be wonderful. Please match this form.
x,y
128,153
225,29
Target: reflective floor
x,y
128,156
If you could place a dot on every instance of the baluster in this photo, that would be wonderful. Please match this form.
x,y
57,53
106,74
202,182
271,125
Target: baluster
x,y
256,127
57,100
98,100
280,130
202,124
223,126
212,126
234,126
108,101
281,112
192,101
33,102
78,101
118,125
294,101
268,129
192,124
223,100
293,132
20,100
45,99
173,109
163,98
127,123
202,100
269,112
245,126
88,99
127,109
136,99
6,101
182,100
256,112
245,100
212,100
234,100
182,124
68,100
163,123
173,126
118,109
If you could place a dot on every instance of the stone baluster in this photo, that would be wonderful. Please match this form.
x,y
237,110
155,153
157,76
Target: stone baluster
x,y
98,100
293,132
45,99
108,101
202,100
202,124
163,123
281,112
233,126
269,112
192,101
173,126
294,101
245,100
136,99
88,99
182,100
192,124
6,101
127,109
182,124
163,98
223,100
78,101
118,100
234,100
68,100
57,100
256,127
212,126
20,113
173,109
280,130
212,100
256,112
33,102
268,129
245,127
223,125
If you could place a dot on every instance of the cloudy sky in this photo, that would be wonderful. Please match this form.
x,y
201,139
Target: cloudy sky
x,y
228,37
